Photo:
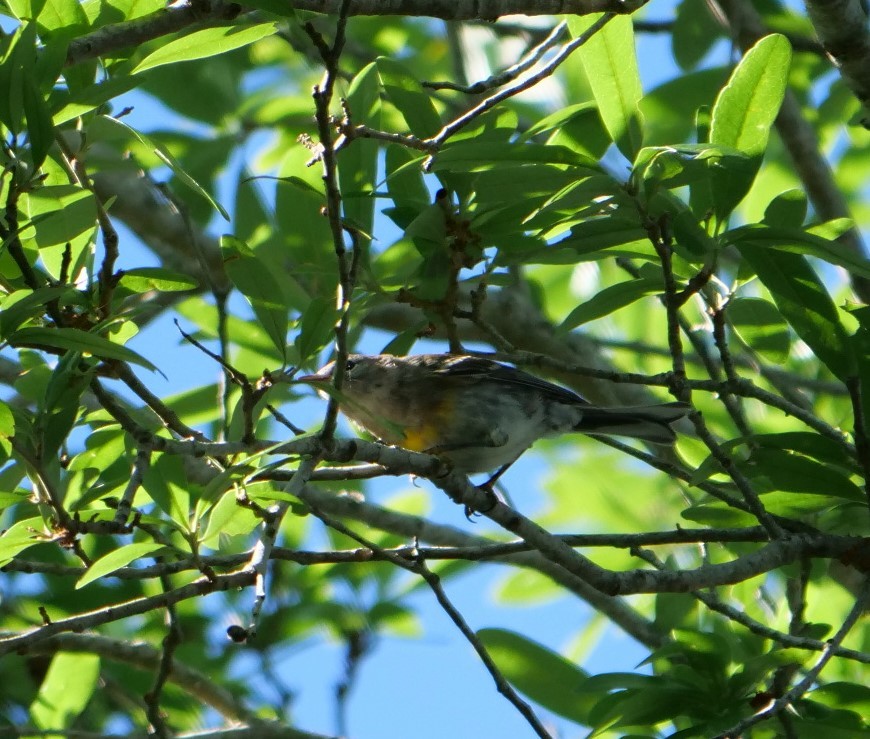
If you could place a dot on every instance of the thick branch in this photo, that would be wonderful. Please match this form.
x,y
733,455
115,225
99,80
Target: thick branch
x,y
842,27
460,10
113,38
118,36
108,614
463,492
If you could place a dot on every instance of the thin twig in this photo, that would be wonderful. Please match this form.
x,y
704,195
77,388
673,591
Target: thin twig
x,y
720,337
168,416
528,60
457,124
814,384
322,95
117,611
813,673
157,720
261,554
862,445
125,504
418,566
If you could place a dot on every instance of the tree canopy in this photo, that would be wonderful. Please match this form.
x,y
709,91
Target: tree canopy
x,y
643,201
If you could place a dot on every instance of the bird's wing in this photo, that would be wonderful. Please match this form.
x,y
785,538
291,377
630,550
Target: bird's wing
x,y
478,368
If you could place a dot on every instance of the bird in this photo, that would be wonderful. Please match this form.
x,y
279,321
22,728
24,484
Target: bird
x,y
477,414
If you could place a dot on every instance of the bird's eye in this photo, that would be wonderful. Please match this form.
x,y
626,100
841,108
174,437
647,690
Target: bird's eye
x,y
349,365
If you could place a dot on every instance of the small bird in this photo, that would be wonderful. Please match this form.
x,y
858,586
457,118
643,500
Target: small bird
x,y
478,414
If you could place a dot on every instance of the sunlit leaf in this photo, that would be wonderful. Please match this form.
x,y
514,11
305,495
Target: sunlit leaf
x,y
542,675
205,43
74,339
117,559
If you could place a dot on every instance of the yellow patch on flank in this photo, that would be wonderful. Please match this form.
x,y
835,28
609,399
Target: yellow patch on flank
x,y
429,433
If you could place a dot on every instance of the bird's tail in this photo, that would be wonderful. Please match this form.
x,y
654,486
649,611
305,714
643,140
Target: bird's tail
x,y
646,422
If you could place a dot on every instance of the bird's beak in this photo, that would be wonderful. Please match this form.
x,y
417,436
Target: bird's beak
x,y
322,375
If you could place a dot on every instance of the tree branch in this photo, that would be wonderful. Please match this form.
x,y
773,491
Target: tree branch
x,y
842,27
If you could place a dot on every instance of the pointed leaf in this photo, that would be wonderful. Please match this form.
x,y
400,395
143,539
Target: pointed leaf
x,y
40,129
65,691
404,91
144,279
761,326
541,674
609,300
744,114
257,282
169,161
610,62
117,559
805,304
76,340
206,43
761,236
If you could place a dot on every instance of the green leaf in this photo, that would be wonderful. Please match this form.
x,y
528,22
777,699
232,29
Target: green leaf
x,y
794,473
40,129
541,674
670,110
403,90
805,304
22,305
20,536
658,700
718,514
315,329
60,213
428,230
610,63
598,234
827,451
145,279
74,339
677,166
7,431
16,70
405,182
795,240
59,407
610,300
167,159
831,230
787,210
691,241
61,18
227,518
747,106
117,559
473,155
844,695
674,610
167,484
694,33
359,162
206,43
299,214
91,97
859,342
65,691
761,327
578,127
744,113
257,282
